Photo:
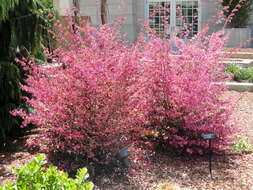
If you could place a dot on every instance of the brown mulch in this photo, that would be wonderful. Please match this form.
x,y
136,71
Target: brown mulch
x,y
230,171
15,155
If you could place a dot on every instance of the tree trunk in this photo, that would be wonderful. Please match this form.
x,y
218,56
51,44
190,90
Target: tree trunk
x,y
76,15
103,11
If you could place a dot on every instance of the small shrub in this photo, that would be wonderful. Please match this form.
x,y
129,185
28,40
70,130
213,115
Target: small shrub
x,y
242,144
33,176
245,74
240,74
232,68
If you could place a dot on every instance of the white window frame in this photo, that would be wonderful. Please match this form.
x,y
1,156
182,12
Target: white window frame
x,y
173,12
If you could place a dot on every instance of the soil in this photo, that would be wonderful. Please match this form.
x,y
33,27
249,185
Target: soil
x,y
230,171
15,155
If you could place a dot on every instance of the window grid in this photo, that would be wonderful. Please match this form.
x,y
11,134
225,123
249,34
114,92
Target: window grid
x,y
159,16
186,17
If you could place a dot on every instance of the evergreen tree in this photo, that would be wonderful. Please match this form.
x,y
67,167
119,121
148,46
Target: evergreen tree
x,y
23,26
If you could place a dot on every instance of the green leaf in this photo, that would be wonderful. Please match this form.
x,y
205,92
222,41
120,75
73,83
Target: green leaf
x,y
33,176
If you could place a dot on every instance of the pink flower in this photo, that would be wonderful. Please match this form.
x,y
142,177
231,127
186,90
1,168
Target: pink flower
x,y
103,94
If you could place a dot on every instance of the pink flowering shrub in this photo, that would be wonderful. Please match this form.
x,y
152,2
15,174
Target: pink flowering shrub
x,y
103,94
86,101
184,88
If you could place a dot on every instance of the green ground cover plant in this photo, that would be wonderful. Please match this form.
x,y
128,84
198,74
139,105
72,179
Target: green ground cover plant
x,y
233,68
240,74
34,176
242,144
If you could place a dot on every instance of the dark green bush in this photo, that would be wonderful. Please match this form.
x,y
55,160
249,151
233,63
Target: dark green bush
x,y
24,27
9,99
33,176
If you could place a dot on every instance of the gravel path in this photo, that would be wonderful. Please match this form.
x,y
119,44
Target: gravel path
x,y
243,117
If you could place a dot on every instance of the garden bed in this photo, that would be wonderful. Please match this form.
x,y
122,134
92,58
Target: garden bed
x,y
232,173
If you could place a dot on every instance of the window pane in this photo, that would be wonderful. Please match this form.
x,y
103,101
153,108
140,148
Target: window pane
x,y
185,17
159,16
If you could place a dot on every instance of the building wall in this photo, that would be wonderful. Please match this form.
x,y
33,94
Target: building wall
x,y
63,6
207,9
115,10
251,27
135,13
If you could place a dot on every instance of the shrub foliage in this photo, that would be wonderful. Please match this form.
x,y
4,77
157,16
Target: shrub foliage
x,y
87,103
34,176
9,99
17,40
184,89
103,94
